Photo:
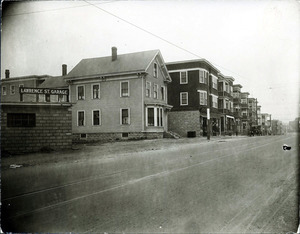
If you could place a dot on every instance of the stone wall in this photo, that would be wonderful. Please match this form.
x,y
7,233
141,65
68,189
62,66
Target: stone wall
x,y
106,137
52,130
182,122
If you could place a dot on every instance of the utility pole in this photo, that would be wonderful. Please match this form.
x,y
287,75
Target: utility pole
x,y
208,106
256,112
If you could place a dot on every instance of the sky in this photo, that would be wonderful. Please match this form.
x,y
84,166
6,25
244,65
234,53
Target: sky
x,y
255,42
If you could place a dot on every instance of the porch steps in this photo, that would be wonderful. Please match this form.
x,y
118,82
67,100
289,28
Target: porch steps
x,y
171,134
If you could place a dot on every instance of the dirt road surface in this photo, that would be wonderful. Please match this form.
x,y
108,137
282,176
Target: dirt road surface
x,y
226,185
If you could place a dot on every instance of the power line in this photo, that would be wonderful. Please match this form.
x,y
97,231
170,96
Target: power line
x,y
159,37
57,9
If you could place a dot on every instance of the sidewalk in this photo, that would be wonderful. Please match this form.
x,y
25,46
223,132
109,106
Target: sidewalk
x,y
102,150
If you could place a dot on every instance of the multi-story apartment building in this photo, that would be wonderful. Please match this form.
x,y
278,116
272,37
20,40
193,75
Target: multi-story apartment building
x,y
259,120
252,112
225,104
119,96
266,125
193,90
245,111
237,107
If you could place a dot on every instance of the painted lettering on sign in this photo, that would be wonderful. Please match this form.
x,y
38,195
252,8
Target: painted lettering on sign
x,y
25,90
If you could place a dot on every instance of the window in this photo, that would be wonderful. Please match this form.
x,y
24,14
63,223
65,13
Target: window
x,y
12,89
155,70
161,117
125,89
3,90
83,136
184,99
21,120
21,94
96,91
214,82
125,118
183,77
80,118
155,91
148,88
244,101
214,101
162,90
96,118
80,92
227,88
47,97
150,116
60,98
203,76
203,97
154,116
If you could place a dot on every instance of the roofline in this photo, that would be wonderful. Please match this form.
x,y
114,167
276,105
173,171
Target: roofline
x,y
193,61
105,75
238,85
26,77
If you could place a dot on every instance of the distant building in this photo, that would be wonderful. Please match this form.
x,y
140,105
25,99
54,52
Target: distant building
x,y
194,88
245,113
119,97
237,107
266,123
225,104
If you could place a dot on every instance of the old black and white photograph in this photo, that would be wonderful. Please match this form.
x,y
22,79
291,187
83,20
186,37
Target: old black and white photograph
x,y
157,116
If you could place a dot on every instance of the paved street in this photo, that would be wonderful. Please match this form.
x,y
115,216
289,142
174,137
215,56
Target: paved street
x,y
238,184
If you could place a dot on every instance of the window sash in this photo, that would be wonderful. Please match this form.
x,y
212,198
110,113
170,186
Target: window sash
x,y
154,116
3,90
203,97
155,70
96,117
96,91
124,89
21,120
80,92
183,77
184,98
12,89
162,90
203,76
148,89
80,117
125,116
155,91
151,116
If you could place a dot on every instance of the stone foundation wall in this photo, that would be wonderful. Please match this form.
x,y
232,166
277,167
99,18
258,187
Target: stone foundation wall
x,y
106,137
182,122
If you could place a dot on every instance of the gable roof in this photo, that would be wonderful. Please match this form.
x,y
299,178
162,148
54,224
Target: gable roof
x,y
125,63
54,82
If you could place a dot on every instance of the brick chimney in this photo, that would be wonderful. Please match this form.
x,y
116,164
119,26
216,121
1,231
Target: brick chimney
x,y
114,54
64,69
6,73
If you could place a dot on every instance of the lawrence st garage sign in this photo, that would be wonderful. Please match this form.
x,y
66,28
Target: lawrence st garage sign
x,y
24,90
